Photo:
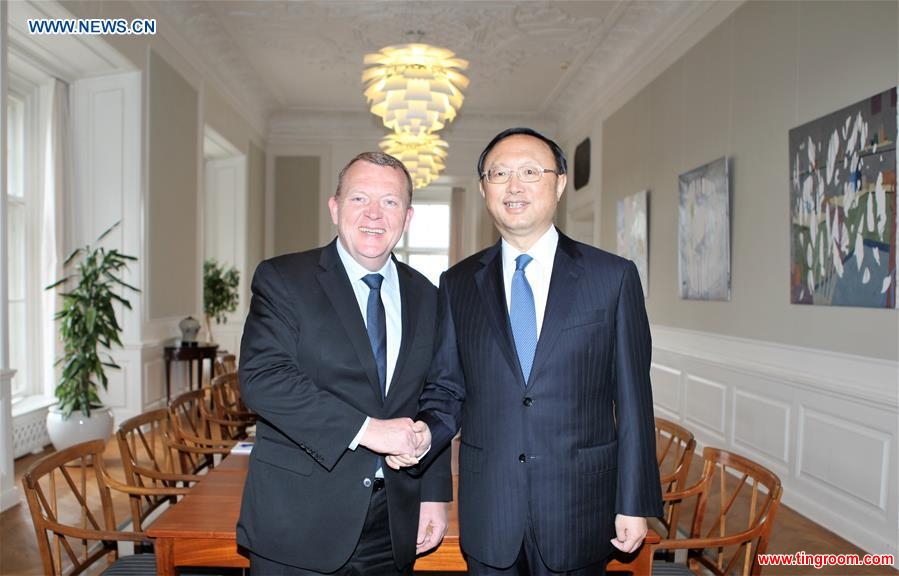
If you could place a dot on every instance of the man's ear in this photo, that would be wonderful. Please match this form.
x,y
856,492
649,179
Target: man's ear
x,y
332,208
561,181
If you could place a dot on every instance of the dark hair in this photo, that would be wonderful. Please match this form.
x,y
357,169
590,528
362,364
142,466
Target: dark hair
x,y
561,164
378,159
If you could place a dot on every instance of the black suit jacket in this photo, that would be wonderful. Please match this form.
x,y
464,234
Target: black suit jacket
x,y
307,369
574,445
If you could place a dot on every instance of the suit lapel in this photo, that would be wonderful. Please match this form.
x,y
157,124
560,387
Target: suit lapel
x,y
489,280
336,284
567,270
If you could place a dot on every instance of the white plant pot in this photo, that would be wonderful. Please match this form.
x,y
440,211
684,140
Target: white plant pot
x,y
65,432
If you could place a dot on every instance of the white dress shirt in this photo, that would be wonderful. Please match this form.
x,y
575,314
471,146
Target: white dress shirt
x,y
390,296
538,272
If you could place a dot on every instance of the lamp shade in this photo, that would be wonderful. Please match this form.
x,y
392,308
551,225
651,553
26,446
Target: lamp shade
x,y
422,154
414,88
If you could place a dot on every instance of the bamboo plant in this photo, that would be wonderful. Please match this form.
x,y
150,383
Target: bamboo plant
x,y
88,327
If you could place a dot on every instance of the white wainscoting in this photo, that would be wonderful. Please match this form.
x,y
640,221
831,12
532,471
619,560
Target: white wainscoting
x,y
826,423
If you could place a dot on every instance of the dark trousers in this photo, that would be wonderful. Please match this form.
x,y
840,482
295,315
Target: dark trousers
x,y
529,563
373,554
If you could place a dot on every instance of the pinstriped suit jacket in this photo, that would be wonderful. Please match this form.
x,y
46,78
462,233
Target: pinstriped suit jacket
x,y
547,452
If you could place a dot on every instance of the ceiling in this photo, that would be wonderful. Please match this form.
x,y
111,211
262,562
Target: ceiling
x,y
547,60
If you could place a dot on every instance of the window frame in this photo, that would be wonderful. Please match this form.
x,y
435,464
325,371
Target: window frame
x,y
25,94
427,197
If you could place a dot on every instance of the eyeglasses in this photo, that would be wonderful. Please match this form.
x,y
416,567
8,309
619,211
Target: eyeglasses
x,y
501,174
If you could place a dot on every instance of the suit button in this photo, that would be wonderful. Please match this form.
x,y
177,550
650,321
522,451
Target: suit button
x,y
528,401
367,482
522,458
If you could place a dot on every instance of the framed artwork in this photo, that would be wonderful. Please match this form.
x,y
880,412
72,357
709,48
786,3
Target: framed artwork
x,y
633,233
704,232
843,206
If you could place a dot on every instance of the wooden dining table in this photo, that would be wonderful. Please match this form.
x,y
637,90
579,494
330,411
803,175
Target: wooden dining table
x,y
199,530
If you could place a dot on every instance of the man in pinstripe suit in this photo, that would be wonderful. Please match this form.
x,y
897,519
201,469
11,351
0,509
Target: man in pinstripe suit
x,y
543,353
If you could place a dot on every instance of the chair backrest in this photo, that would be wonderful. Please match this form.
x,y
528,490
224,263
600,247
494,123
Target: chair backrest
x,y
191,433
152,469
675,446
186,415
71,510
737,500
224,364
228,407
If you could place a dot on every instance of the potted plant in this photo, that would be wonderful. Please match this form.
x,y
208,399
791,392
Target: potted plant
x,y
220,295
88,328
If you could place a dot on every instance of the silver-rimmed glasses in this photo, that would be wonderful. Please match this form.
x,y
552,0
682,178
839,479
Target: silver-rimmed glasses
x,y
528,173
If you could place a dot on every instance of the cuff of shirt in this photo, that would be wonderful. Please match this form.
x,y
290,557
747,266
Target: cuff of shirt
x,y
355,443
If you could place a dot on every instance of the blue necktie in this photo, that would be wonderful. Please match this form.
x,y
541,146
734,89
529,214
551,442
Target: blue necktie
x,y
376,320
523,316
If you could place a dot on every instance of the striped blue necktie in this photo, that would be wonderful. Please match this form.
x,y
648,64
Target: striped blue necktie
x,y
523,316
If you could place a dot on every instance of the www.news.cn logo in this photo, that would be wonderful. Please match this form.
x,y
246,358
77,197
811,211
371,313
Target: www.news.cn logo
x,y
91,26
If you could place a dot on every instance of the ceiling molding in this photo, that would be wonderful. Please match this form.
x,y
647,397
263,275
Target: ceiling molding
x,y
677,38
295,126
529,58
67,57
559,64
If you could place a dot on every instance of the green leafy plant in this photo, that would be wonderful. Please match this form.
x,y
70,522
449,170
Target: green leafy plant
x,y
87,323
220,295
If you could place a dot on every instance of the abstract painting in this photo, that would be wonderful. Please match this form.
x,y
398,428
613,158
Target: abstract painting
x,y
704,232
843,206
633,239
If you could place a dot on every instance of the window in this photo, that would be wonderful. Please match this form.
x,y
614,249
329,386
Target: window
x,y
425,246
17,239
23,197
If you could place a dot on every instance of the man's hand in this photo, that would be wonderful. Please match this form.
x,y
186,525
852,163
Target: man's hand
x,y
423,444
397,436
629,532
432,523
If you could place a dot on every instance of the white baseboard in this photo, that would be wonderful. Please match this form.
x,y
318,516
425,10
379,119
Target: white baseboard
x,y
826,423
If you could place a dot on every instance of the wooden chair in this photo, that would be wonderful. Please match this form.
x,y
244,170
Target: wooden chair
x,y
191,434
72,513
152,470
675,446
229,411
736,502
224,364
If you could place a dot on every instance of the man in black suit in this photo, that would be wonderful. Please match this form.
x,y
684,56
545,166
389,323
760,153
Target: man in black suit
x,y
543,352
333,358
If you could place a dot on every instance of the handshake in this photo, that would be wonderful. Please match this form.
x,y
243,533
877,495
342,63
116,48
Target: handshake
x,y
402,441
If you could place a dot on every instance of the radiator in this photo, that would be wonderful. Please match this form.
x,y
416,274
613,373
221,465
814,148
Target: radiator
x,y
29,432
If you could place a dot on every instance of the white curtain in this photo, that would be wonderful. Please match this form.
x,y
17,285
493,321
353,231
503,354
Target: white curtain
x,y
56,181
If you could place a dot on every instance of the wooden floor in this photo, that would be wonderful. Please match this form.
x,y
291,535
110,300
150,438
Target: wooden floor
x,y
793,532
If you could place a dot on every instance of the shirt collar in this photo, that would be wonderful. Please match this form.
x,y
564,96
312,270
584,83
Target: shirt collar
x,y
356,271
543,250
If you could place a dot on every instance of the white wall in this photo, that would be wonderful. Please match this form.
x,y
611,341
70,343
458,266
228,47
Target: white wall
x,y
225,226
106,116
811,392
